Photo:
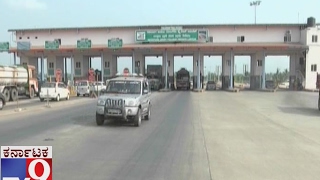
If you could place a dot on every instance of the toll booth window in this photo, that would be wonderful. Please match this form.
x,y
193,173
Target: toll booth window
x,y
314,38
313,67
78,64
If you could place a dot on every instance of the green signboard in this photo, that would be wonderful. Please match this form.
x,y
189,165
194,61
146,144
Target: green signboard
x,y
4,46
51,45
84,44
115,43
163,36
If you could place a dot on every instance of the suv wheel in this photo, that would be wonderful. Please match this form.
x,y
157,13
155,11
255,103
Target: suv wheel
x,y
1,104
148,116
137,118
99,119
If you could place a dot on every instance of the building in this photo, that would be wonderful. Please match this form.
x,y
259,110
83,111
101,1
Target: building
x,y
299,41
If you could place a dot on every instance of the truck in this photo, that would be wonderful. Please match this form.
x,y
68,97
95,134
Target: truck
x,y
154,75
17,81
183,79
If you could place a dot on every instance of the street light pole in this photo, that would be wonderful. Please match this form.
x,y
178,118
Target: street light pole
x,y
255,4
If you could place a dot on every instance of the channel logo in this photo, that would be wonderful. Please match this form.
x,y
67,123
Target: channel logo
x,y
26,162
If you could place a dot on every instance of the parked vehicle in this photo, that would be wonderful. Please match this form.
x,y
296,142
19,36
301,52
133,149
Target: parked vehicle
x,y
183,79
211,85
2,101
154,75
18,80
83,88
54,91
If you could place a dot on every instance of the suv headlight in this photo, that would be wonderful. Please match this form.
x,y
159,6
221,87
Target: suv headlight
x,y
101,102
132,103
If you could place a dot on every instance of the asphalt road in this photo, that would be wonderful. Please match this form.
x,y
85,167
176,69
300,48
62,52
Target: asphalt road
x,y
211,135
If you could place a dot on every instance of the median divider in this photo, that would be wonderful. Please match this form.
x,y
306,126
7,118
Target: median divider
x,y
43,106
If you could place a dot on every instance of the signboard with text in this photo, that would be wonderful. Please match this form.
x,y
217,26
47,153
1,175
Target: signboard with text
x,y
115,43
52,45
4,46
84,44
165,36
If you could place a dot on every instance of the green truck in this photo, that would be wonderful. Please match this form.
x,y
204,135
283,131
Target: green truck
x,y
154,75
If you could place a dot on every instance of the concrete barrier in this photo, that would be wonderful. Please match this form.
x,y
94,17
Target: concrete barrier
x,y
164,90
234,90
268,90
197,90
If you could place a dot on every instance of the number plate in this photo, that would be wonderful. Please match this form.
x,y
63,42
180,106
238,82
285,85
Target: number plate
x,y
115,111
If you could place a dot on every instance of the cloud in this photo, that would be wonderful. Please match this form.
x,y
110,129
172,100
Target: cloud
x,y
26,4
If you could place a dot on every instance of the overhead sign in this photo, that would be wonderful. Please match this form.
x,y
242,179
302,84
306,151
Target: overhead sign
x,y
4,46
115,43
171,28
51,45
163,36
23,45
84,44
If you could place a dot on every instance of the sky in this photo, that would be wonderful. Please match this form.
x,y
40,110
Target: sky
x,y
70,13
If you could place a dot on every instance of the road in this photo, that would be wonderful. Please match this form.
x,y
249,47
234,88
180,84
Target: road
x,y
211,135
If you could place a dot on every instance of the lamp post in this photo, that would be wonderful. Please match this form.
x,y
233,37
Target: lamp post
x,y
255,4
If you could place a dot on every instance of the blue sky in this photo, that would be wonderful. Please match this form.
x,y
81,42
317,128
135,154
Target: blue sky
x,y
69,13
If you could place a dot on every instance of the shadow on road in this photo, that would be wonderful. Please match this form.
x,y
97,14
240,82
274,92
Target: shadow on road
x,y
89,121
300,111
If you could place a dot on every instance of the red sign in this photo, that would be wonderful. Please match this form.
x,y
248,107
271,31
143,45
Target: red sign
x,y
58,75
91,75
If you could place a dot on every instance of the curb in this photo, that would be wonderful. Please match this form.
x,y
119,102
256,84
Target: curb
x,y
198,90
234,90
42,107
311,90
268,90
164,90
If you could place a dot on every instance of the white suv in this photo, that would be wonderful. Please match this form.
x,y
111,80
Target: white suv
x,y
125,99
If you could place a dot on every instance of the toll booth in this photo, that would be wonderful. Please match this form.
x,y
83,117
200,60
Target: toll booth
x,y
226,82
255,82
195,80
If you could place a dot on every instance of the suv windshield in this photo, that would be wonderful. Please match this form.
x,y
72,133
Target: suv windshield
x,y
127,87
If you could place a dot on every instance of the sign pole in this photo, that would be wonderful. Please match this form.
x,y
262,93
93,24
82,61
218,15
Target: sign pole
x,y
166,69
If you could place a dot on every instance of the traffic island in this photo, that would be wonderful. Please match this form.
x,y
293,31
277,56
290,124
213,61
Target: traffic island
x,y
268,90
234,90
197,90
311,90
164,90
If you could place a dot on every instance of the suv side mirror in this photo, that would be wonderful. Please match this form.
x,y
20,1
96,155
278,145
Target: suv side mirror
x,y
145,91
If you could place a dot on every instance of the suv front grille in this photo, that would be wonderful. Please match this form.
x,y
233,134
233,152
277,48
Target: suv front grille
x,y
114,102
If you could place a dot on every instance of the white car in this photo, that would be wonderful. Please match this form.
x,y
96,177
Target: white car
x,y
54,91
83,88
